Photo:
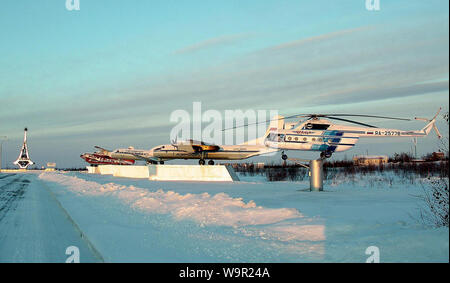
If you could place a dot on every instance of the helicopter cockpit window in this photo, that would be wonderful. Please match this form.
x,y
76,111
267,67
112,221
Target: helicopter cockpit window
x,y
272,137
311,126
276,137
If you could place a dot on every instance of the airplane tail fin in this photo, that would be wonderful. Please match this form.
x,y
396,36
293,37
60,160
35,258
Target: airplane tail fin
x,y
277,122
431,125
102,150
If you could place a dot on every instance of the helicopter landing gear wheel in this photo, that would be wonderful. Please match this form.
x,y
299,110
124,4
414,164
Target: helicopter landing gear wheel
x,y
211,162
284,156
326,154
201,162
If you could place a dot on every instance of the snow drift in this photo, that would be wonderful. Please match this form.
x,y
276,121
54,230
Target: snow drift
x,y
219,209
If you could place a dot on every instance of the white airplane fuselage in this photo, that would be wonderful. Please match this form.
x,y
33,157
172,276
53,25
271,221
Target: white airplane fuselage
x,y
225,152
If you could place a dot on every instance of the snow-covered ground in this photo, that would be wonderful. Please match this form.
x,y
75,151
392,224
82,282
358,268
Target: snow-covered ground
x,y
131,220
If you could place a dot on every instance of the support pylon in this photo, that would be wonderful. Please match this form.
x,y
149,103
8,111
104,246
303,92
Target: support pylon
x,y
315,168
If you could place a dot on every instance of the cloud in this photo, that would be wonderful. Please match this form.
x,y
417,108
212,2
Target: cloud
x,y
329,69
381,93
212,42
360,66
329,72
322,37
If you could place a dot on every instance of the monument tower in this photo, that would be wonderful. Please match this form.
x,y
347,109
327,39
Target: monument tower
x,y
24,158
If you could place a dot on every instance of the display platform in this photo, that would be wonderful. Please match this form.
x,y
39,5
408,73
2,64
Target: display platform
x,y
209,173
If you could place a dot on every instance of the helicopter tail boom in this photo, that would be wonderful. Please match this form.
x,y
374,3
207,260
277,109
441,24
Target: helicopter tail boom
x,y
425,131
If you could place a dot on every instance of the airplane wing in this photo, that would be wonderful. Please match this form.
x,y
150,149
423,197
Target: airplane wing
x,y
145,158
205,147
197,147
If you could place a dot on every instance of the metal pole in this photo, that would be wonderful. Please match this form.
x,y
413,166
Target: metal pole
x,y
315,173
2,139
316,178
415,147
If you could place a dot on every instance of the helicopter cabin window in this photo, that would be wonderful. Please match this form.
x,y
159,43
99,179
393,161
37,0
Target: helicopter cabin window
x,y
316,126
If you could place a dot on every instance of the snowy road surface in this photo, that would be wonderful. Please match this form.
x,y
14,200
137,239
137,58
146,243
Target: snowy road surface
x,y
33,228
131,220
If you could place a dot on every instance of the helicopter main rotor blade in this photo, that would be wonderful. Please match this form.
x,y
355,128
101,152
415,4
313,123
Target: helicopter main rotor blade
x,y
256,123
330,116
351,121
355,115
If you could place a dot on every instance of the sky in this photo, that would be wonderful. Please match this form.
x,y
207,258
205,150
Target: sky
x,y
112,73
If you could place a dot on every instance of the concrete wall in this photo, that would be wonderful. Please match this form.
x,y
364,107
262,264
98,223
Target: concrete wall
x,y
92,170
216,173
106,169
131,172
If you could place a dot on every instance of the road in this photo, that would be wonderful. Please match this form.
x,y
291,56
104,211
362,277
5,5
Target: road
x,y
33,227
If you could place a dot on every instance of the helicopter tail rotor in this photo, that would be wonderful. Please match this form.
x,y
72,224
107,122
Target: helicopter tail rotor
x,y
431,124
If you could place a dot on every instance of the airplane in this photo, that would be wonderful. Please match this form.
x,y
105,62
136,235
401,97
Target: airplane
x,y
103,157
190,149
130,153
317,133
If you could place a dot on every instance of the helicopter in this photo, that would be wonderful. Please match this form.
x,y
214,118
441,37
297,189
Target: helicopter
x,y
315,132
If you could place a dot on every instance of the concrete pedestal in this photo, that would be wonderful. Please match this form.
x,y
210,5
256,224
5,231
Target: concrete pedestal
x,y
211,173
140,172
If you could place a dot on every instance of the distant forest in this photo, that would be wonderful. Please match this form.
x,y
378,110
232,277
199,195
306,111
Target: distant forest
x,y
402,164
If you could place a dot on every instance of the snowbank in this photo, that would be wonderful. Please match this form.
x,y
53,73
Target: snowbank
x,y
136,220
220,209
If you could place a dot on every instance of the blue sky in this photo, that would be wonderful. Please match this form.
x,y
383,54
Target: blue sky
x,y
111,73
